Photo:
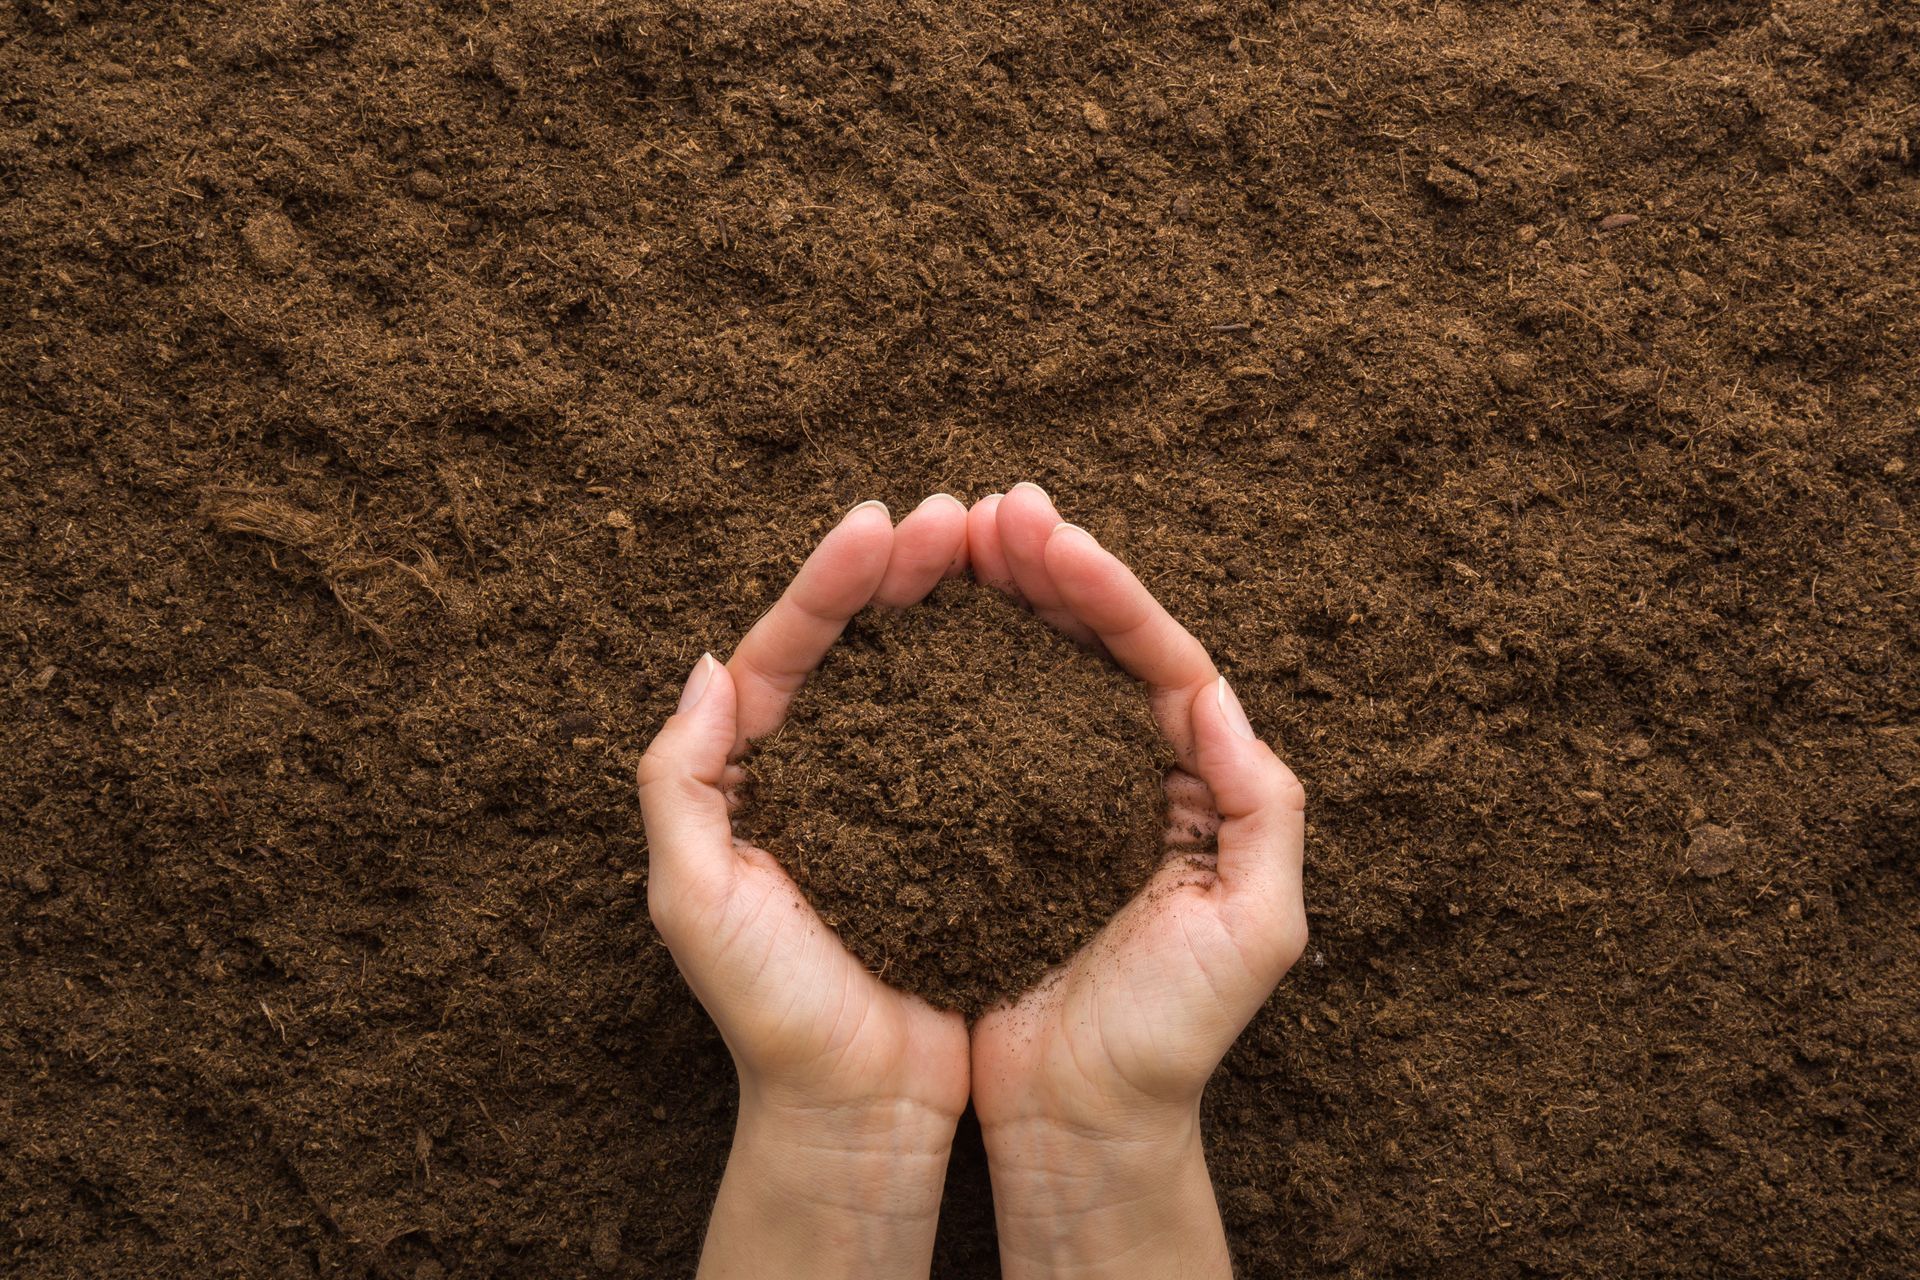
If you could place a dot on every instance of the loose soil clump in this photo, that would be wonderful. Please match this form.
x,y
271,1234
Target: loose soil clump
x,y
964,793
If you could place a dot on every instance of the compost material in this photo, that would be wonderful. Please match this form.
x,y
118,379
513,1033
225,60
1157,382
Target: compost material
x,y
1519,401
964,794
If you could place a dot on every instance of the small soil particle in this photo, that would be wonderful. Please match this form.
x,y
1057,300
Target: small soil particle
x,y
1714,850
1453,184
426,184
1513,371
272,242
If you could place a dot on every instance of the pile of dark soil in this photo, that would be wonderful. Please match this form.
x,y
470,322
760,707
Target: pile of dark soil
x,y
963,793
1519,402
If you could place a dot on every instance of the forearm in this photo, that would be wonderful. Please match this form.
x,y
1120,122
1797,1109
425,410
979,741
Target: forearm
x,y
1073,1204
829,1194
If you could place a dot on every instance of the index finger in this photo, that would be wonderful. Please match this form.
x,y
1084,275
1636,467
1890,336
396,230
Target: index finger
x,y
1140,634
781,650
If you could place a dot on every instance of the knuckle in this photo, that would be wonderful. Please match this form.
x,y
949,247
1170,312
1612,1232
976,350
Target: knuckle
x,y
666,910
654,769
1289,792
1293,937
659,909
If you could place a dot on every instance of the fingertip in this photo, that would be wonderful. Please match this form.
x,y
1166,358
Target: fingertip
x,y
1026,521
862,544
685,765
1068,539
1230,708
696,686
943,509
1259,799
925,546
868,524
722,685
1233,756
951,516
982,516
1026,507
1228,759
1086,574
870,520
715,705
1217,717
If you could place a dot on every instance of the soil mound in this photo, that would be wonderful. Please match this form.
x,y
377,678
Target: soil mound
x,y
965,794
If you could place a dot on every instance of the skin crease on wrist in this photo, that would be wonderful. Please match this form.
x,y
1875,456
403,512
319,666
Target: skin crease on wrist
x,y
1088,1087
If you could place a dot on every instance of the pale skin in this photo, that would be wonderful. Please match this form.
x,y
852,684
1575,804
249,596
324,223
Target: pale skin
x,y
1087,1088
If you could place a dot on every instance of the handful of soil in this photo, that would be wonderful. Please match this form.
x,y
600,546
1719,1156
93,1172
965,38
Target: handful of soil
x,y
964,794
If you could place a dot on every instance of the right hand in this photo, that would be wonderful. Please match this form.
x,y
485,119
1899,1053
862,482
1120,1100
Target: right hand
x,y
849,1089
1088,1088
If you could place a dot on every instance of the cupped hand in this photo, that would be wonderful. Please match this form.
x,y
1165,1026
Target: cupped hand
x,y
850,1090
1088,1088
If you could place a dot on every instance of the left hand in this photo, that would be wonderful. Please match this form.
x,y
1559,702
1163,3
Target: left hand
x,y
1088,1088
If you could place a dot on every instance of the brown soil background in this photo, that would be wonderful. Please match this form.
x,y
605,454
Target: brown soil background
x,y
964,793
1520,402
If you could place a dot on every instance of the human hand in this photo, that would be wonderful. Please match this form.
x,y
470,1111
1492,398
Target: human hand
x,y
1088,1088
849,1090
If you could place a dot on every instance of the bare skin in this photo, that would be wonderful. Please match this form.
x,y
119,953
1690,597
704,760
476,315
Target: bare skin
x,y
1088,1088
849,1090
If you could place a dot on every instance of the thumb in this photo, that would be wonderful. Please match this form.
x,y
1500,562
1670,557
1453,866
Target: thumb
x,y
1263,823
682,798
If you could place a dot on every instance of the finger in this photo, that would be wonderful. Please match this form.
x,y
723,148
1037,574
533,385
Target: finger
x,y
957,567
1026,520
775,657
1140,635
984,553
683,800
1263,823
925,545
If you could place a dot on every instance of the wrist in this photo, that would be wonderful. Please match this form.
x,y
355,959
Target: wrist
x,y
825,1190
1123,1198
881,1136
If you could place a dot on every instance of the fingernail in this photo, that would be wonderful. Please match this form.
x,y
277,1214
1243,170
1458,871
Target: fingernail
x,y
1063,529
696,683
1230,708
937,497
871,502
1028,484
